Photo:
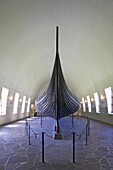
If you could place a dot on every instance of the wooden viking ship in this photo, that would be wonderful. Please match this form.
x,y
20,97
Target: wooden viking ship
x,y
57,101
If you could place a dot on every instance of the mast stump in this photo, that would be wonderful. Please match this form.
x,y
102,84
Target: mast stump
x,y
58,135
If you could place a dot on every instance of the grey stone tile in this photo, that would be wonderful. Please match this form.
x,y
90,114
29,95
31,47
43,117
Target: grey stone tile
x,y
26,166
101,154
103,149
58,166
80,168
109,156
44,166
2,167
110,160
11,166
70,166
17,159
34,149
104,162
33,168
16,148
3,161
31,156
92,160
106,167
97,155
92,166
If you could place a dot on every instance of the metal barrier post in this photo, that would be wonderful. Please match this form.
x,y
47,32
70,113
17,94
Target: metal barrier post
x,y
41,121
88,126
43,147
29,134
72,121
86,133
87,119
74,147
26,122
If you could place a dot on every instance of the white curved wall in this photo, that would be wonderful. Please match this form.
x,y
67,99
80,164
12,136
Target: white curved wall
x,y
105,111
10,117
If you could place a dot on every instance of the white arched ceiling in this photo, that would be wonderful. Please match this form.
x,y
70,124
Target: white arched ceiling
x,y
27,44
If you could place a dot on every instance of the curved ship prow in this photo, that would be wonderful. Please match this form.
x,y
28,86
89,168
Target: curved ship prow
x,y
57,101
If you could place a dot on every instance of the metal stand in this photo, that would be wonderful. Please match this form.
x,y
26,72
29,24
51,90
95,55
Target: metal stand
x,y
74,147
43,147
41,121
72,121
88,126
86,133
29,134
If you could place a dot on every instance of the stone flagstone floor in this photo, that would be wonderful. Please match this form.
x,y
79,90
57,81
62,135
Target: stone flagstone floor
x,y
17,154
